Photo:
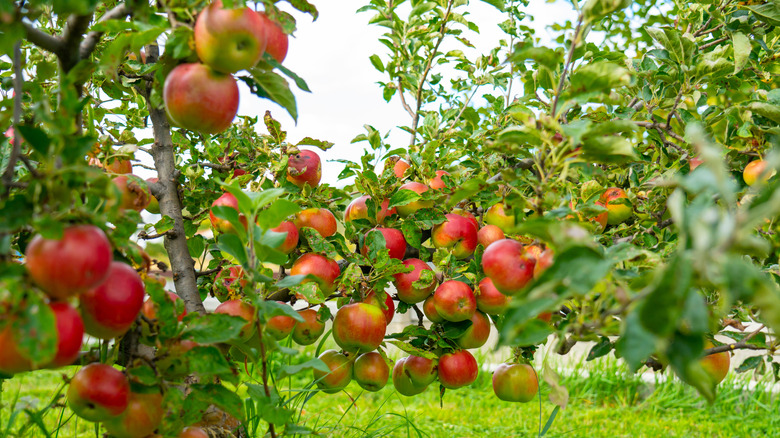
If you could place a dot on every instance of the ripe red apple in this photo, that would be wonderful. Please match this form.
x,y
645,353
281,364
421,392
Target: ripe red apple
x,y
321,219
291,241
200,99
467,214
11,359
324,269
229,40
618,205
110,309
399,166
370,371
308,331
404,282
437,183
154,204
304,168
456,233
489,234
340,372
276,39
113,165
193,432
243,310
98,392
716,365
515,382
454,301
149,308
421,371
388,308
71,265
695,162
229,283
753,171
357,209
70,334
221,225
401,381
359,327
508,265
544,261
501,216
477,334
280,326
142,416
489,299
394,242
429,309
457,369
135,192
406,210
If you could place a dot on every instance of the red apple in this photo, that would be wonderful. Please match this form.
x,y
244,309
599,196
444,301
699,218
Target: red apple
x,y
229,283
618,205
695,162
370,371
454,301
545,316
457,369
280,326
70,334
66,267
143,415
437,183
467,214
544,261
308,331
477,334
456,233
98,392
401,381
716,365
229,40
404,282
221,225
324,269
149,308
421,371
110,309
276,38
135,192
515,382
11,359
508,265
357,209
193,432
754,170
501,216
359,327
291,241
429,309
243,310
489,299
321,219
394,242
113,165
399,166
304,168
406,210
489,234
340,372
200,99
388,308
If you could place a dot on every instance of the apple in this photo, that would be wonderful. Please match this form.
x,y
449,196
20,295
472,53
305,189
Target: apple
x,y
149,308
406,210
399,166
200,99
358,209
308,331
543,261
454,301
370,371
600,219
508,265
229,283
429,309
457,234
280,326
113,165
277,41
359,327
545,316
421,370
489,234
716,365
98,392
695,162
457,369
404,282
304,168
387,308
291,241
437,183
154,205
477,334
402,382
754,170
340,374
467,214
229,40
243,310
489,299
143,415
222,225
534,251
68,266
110,309
618,205
70,334
321,219
501,216
135,192
322,268
394,242
515,382
193,432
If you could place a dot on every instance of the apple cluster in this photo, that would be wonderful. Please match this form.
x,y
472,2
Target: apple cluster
x,y
203,97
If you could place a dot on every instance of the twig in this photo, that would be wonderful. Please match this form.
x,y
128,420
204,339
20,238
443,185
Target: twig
x,y
196,215
713,43
674,108
403,99
42,39
708,31
741,345
90,41
566,66
142,235
208,272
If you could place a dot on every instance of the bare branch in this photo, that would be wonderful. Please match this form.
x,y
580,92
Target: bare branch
x,y
91,40
569,59
42,39
403,99
713,43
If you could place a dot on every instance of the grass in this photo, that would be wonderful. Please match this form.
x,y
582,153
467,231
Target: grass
x,y
605,401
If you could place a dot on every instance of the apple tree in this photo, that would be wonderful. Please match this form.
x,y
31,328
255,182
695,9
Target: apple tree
x,y
613,186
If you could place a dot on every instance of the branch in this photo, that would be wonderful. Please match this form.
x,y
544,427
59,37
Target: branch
x,y
91,40
142,235
71,40
741,345
713,43
42,39
566,66
403,99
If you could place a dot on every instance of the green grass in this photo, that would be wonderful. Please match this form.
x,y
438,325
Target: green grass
x,y
609,402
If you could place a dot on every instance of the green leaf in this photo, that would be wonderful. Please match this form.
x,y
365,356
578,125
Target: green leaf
x,y
635,344
767,110
271,86
541,55
212,328
559,395
670,293
377,63
312,364
596,9
750,363
35,331
680,47
596,78
196,245
403,197
230,244
411,349
742,50
602,348
533,332
290,281
220,396
37,139
207,361
274,215
768,13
